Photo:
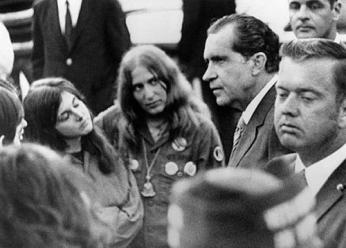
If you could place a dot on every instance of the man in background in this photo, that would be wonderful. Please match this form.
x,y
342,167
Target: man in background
x,y
315,18
82,41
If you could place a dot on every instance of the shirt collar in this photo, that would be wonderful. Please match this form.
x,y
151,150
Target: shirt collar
x,y
338,38
250,109
318,173
74,6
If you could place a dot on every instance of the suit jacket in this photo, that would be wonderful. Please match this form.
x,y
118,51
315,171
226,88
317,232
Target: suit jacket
x,y
330,201
99,40
259,142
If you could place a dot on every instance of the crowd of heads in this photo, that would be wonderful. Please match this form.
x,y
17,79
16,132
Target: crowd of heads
x,y
42,206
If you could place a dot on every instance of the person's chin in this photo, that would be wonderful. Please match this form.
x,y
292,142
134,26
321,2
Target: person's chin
x,y
221,101
289,141
306,35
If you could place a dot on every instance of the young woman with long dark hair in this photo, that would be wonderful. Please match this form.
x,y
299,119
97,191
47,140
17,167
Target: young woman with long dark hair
x,y
58,117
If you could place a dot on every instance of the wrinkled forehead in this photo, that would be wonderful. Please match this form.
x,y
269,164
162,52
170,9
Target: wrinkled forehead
x,y
325,2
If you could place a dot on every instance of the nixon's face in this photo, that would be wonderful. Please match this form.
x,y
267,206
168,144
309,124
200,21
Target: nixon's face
x,y
228,72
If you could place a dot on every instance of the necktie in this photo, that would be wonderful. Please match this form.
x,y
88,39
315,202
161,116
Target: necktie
x,y
302,177
68,26
238,133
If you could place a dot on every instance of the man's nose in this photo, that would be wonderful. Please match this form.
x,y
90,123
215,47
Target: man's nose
x,y
303,12
290,106
209,74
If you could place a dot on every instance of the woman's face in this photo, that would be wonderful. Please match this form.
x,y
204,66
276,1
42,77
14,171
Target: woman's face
x,y
149,91
73,117
18,137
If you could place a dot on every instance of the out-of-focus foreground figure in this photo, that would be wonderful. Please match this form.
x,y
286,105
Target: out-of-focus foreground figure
x,y
240,208
41,205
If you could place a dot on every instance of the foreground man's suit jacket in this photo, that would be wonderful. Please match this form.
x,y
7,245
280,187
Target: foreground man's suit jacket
x,y
330,201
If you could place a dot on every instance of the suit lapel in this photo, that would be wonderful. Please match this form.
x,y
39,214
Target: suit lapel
x,y
255,123
53,24
328,196
81,22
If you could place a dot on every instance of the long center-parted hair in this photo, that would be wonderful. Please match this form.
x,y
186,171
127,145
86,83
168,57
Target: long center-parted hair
x,y
41,106
182,105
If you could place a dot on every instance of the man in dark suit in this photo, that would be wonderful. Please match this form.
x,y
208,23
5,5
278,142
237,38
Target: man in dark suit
x,y
83,41
242,54
310,119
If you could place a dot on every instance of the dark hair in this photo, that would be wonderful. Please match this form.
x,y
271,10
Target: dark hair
x,y
318,48
11,114
41,106
182,105
41,207
252,36
9,86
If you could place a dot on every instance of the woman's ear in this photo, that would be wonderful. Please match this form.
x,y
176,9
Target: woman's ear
x,y
259,61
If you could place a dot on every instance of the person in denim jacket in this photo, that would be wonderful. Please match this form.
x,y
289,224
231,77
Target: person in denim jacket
x,y
162,131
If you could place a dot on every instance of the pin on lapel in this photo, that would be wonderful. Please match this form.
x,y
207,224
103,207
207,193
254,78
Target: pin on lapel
x,y
340,187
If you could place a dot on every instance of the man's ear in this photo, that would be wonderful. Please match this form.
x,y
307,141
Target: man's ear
x,y
336,9
259,61
342,114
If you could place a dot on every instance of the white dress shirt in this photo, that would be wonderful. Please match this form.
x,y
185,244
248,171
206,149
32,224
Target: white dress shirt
x,y
74,6
250,109
318,173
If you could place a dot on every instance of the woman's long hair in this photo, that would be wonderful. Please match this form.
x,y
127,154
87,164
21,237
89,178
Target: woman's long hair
x,y
182,105
41,106
41,205
11,114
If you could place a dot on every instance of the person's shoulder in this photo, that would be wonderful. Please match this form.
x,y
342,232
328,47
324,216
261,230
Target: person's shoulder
x,y
109,3
111,113
204,122
38,3
281,166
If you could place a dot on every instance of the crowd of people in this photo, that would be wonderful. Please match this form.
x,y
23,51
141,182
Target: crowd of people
x,y
112,147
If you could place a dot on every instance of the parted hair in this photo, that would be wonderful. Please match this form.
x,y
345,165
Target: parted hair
x,y
41,207
319,48
41,106
252,36
182,105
